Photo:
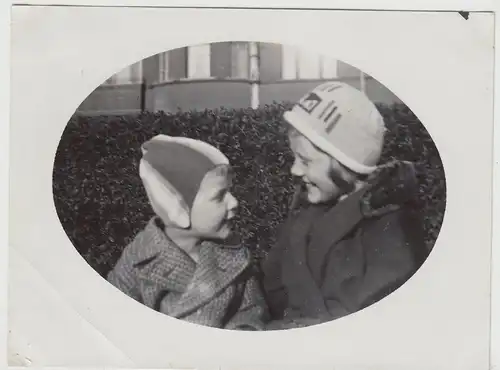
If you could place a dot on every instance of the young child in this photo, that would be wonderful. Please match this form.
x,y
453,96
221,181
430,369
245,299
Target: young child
x,y
175,265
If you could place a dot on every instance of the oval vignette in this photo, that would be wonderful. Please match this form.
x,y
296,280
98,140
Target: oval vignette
x,y
209,92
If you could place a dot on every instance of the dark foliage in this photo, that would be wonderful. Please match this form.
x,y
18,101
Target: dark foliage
x,y
101,202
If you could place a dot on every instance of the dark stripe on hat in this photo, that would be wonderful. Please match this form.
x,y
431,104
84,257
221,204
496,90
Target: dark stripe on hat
x,y
333,123
325,87
329,105
334,87
330,114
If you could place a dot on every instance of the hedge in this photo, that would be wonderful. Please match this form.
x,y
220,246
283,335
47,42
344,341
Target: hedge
x,y
101,203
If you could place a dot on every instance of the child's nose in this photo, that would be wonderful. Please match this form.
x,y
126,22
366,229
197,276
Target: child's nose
x,y
232,202
297,169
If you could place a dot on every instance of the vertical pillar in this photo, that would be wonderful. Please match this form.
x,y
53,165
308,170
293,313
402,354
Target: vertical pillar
x,y
254,74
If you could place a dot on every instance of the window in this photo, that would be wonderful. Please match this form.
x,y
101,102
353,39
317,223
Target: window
x,y
192,62
270,62
230,60
303,64
220,58
177,64
199,61
136,72
289,62
347,70
309,65
328,67
121,77
128,75
163,66
240,60
172,65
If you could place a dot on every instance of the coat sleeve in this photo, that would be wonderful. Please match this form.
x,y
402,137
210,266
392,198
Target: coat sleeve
x,y
384,263
252,311
122,276
272,285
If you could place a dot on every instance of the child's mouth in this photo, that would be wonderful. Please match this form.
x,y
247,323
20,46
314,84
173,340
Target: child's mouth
x,y
309,185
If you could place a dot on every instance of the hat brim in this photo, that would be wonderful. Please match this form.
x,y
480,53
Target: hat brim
x,y
301,124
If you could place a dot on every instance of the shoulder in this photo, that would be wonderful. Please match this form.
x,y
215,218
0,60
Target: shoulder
x,y
397,227
144,245
386,240
386,226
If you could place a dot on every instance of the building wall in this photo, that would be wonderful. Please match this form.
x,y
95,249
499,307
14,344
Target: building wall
x,y
346,70
211,95
292,91
170,97
199,95
216,75
112,99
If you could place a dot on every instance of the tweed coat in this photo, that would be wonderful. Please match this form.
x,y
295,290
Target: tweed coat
x,y
218,291
334,260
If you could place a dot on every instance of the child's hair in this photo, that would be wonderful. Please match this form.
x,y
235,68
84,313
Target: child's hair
x,y
220,171
292,131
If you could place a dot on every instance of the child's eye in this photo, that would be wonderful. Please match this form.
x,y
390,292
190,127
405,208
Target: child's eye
x,y
221,195
303,161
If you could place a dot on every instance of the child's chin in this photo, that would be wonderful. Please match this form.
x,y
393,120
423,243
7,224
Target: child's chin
x,y
314,197
225,233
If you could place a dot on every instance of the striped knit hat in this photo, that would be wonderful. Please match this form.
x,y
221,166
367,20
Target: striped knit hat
x,y
172,169
343,122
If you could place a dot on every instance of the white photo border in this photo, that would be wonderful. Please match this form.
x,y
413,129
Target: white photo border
x,y
487,6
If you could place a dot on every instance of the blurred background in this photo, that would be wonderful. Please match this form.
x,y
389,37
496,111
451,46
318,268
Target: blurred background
x,y
231,95
240,75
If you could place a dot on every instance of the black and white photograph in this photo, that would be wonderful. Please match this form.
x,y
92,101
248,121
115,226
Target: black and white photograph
x,y
249,186
229,188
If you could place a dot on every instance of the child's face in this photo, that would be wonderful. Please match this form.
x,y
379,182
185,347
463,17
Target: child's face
x,y
214,206
316,169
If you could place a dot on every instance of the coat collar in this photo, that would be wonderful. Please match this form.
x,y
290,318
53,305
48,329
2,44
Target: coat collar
x,y
387,190
169,268
390,187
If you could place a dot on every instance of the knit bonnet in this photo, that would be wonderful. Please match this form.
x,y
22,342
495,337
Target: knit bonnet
x,y
172,170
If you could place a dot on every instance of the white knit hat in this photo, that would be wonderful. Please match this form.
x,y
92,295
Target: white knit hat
x,y
343,122
166,200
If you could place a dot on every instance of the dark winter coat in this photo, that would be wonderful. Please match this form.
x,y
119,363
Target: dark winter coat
x,y
331,261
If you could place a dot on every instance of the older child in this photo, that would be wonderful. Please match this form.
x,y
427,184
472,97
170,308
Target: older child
x,y
175,265
360,236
